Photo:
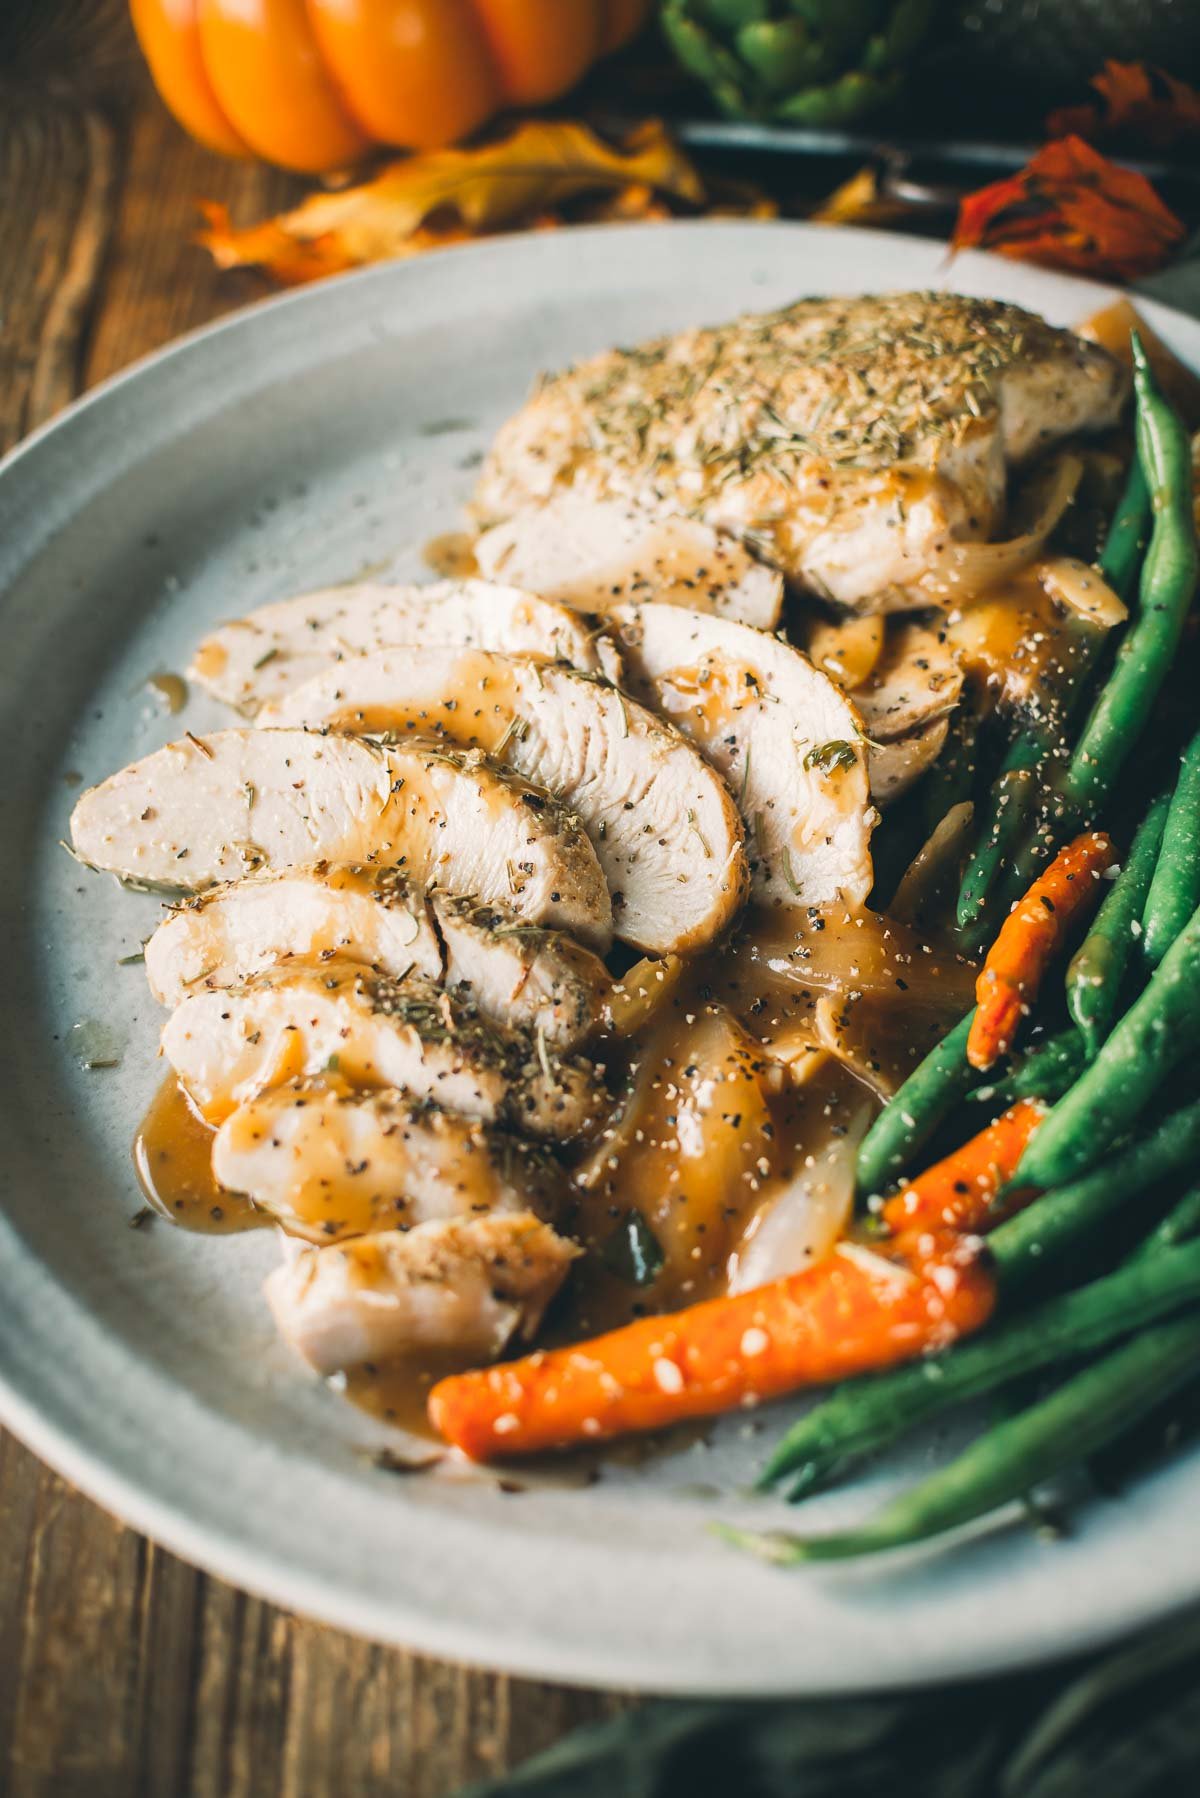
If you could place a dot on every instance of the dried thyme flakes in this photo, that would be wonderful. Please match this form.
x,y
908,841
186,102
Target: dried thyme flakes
x,y
869,382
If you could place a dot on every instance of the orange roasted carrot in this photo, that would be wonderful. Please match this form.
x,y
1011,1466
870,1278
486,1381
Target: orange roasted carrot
x,y
1029,938
859,1310
959,1191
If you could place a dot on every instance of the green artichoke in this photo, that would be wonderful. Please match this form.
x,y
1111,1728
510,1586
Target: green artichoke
x,y
798,62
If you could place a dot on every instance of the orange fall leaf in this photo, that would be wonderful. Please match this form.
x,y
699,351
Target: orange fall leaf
x,y
1071,208
1146,102
429,200
860,201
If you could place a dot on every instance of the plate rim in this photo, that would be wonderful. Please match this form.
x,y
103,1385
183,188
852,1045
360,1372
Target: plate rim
x,y
207,1541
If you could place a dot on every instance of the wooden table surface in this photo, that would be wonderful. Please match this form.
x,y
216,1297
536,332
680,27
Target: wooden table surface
x,y
122,1670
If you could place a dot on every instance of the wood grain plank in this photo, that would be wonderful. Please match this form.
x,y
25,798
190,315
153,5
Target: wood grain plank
x,y
59,176
125,1673
80,1593
158,282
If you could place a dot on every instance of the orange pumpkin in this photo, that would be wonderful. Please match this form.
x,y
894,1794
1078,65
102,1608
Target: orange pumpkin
x,y
312,84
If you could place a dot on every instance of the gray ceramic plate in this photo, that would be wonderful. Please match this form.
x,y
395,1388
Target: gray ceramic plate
x,y
285,448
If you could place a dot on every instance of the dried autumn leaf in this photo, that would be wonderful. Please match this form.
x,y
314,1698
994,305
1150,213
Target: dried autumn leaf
x,y
1072,208
425,201
1147,102
860,201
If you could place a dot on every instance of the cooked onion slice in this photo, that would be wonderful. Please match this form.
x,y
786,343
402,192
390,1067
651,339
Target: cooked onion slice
x,y
846,649
935,865
1082,589
802,1223
895,767
968,568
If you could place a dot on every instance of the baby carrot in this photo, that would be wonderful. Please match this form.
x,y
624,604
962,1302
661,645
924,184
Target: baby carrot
x,y
855,1312
959,1191
1028,939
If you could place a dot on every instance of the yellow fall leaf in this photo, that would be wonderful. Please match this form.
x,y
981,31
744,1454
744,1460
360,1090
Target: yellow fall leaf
x,y
859,201
424,201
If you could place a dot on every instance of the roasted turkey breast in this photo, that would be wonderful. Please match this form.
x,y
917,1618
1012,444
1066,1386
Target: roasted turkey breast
x,y
215,808
848,440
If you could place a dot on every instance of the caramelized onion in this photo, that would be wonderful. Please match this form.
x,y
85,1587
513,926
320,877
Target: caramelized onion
x,y
969,568
895,767
636,997
801,1223
834,950
1084,590
846,649
934,865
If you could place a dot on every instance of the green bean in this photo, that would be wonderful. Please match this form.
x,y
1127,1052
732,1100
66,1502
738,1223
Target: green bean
x,y
1161,1027
1181,1223
952,776
1126,700
1011,796
1168,583
1127,534
1098,967
914,1112
864,1416
1015,788
1175,889
1058,1222
1046,1072
1016,1456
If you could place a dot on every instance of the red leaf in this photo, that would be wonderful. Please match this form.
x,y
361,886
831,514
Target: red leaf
x,y
1071,208
1147,103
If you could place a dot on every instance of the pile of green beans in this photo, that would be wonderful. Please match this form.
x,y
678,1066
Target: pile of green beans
x,y
1125,703
1098,968
1175,888
1127,1339
1075,793
1160,1029
1023,770
869,1414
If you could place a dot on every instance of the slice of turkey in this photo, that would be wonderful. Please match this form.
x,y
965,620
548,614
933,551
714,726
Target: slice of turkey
x,y
599,553
663,825
294,1022
787,741
328,1162
256,659
517,973
469,1284
207,809
233,931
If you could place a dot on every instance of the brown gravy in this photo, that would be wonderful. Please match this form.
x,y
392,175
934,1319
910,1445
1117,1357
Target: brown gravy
x,y
706,1125
170,690
452,555
172,1153
397,1391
